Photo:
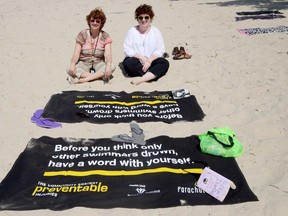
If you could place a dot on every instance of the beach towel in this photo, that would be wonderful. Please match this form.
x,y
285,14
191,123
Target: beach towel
x,y
259,12
254,31
254,17
62,173
116,107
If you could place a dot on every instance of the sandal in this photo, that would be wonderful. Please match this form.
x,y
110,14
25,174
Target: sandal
x,y
178,56
48,123
175,51
183,52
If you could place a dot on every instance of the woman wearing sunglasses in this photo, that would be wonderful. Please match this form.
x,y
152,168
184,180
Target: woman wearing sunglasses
x,y
92,57
144,49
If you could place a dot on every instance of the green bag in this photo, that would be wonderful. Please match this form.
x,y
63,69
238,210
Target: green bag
x,y
220,142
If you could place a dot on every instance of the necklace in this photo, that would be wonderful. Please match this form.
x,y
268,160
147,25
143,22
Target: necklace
x,y
94,47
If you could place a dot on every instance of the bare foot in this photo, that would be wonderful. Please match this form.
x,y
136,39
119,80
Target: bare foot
x,y
73,80
148,76
135,82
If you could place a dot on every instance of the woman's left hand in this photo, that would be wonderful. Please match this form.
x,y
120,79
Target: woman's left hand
x,y
107,74
146,66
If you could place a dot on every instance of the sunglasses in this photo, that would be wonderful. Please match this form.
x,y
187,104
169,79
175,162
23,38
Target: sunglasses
x,y
143,17
96,20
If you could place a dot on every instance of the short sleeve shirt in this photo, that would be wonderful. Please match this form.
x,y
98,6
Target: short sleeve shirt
x,y
92,51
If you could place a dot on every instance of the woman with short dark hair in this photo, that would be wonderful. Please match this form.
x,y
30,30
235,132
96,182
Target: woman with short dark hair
x,y
144,49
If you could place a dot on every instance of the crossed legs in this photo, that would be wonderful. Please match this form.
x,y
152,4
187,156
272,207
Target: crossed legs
x,y
133,68
82,74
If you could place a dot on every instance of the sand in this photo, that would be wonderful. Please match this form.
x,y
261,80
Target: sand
x,y
240,81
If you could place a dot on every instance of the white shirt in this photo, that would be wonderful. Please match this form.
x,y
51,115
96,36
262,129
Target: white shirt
x,y
144,44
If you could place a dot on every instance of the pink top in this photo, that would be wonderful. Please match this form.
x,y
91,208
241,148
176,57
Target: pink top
x,y
88,51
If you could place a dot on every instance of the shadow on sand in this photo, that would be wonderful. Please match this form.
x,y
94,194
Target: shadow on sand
x,y
255,4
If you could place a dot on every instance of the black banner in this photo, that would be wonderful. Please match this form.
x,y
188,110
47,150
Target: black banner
x,y
62,173
116,107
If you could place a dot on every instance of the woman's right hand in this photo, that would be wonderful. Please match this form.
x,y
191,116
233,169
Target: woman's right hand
x,y
146,66
72,70
143,59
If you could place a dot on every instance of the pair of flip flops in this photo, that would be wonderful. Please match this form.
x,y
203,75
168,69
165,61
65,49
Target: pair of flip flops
x,y
137,135
180,53
43,122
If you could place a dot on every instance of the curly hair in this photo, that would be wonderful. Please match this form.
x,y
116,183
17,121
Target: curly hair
x,y
144,9
97,13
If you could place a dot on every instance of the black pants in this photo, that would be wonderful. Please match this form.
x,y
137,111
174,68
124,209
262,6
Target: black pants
x,y
133,67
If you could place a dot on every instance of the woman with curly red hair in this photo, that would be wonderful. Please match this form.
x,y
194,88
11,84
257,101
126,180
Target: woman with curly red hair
x,y
92,57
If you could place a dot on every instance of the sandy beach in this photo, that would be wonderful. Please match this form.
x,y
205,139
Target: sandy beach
x,y
240,81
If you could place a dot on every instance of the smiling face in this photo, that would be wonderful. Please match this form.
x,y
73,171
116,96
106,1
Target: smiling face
x,y
95,23
144,20
144,14
96,19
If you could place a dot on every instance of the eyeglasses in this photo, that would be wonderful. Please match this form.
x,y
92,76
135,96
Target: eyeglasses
x,y
96,20
143,17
